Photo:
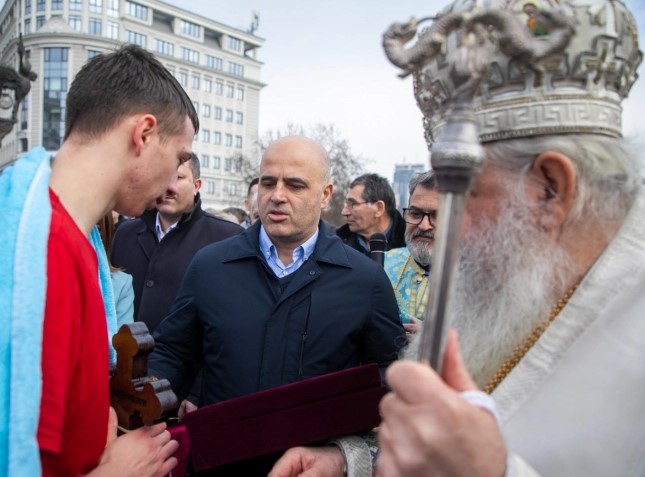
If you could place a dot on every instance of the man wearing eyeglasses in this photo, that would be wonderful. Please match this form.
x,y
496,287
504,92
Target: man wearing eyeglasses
x,y
408,267
370,207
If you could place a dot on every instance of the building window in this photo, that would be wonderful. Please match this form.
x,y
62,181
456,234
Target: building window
x,y
227,164
183,78
112,31
94,27
238,142
136,38
240,93
229,115
113,8
207,85
234,44
214,62
27,7
76,22
194,81
54,92
27,26
40,21
96,6
229,91
235,69
92,53
57,4
164,47
238,165
190,29
218,112
206,136
206,110
40,5
24,113
232,189
204,163
137,11
210,187
229,140
189,55
217,138
75,4
219,88
239,117
216,162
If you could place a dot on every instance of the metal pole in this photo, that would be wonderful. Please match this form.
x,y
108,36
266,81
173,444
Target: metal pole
x,y
457,157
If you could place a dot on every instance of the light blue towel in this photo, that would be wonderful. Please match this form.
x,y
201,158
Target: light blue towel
x,y
25,212
105,282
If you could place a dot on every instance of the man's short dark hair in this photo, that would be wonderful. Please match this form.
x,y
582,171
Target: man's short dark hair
x,y
128,81
254,181
377,188
423,179
194,165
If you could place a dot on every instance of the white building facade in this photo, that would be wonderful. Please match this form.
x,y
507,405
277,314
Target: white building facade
x,y
216,64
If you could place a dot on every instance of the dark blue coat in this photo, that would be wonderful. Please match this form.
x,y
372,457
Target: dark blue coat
x,y
157,268
338,311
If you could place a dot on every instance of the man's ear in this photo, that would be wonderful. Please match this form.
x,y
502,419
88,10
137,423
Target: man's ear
x,y
198,185
145,127
380,208
558,175
326,197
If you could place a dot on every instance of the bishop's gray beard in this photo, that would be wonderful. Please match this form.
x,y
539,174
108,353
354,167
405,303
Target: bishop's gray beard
x,y
509,277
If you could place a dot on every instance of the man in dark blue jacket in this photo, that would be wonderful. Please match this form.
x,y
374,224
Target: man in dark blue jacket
x,y
157,247
284,300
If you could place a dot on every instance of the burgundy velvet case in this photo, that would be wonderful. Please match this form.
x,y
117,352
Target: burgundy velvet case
x,y
274,420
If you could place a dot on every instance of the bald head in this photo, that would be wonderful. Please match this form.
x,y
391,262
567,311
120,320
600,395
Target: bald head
x,y
304,147
294,188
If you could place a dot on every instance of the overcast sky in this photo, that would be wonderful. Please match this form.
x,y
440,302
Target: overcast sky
x,y
323,62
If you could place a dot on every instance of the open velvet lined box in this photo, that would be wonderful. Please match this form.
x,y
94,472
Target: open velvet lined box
x,y
245,436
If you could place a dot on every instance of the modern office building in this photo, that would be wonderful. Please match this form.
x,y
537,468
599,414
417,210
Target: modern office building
x,y
402,175
215,63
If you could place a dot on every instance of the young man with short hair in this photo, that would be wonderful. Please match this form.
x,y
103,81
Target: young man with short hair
x,y
129,125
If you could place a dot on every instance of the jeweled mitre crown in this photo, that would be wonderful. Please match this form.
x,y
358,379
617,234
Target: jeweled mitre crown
x,y
528,67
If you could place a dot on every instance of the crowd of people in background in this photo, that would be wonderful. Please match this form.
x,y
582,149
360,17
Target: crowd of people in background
x,y
545,375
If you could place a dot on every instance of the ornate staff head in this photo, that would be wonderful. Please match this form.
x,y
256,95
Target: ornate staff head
x,y
530,67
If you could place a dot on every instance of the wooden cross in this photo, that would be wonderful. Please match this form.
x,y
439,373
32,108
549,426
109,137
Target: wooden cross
x,y
138,399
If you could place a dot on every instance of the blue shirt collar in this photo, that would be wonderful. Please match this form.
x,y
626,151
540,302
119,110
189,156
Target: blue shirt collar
x,y
161,233
300,254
